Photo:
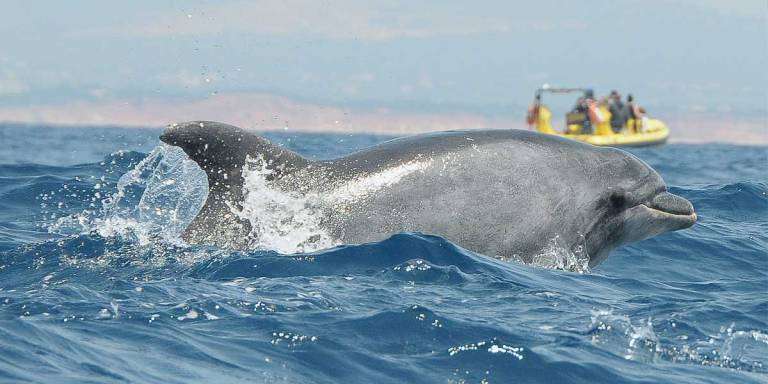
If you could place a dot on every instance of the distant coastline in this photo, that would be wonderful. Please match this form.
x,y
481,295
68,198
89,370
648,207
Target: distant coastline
x,y
265,112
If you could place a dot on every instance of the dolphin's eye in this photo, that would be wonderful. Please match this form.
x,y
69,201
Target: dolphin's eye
x,y
618,200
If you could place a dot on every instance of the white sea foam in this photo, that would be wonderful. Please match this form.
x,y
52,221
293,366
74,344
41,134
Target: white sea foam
x,y
555,255
491,346
282,221
290,222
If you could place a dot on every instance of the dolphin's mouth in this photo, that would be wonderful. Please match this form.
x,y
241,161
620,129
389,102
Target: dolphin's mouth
x,y
665,212
673,210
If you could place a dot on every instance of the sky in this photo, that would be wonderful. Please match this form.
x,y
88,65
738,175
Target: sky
x,y
143,62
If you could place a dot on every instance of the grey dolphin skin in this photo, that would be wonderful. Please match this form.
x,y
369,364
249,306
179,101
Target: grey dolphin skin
x,y
502,193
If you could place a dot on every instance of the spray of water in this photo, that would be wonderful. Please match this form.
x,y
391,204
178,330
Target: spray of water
x,y
282,221
555,255
637,340
155,200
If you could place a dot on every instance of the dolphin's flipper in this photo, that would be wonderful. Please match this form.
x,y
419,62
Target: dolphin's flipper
x,y
221,151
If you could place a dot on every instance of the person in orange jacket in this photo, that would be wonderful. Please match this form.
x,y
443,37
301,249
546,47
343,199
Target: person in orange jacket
x,y
533,111
594,116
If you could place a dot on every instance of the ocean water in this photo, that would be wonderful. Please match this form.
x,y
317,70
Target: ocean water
x,y
95,285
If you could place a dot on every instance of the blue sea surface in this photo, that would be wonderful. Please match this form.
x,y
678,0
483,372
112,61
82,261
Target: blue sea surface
x,y
95,286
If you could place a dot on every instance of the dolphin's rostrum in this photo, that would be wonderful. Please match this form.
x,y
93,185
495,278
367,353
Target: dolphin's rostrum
x,y
503,193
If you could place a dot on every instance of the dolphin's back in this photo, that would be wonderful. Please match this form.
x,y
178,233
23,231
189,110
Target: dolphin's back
x,y
453,184
429,145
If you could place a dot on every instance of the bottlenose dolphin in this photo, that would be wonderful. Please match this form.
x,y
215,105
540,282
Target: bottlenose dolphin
x,y
503,193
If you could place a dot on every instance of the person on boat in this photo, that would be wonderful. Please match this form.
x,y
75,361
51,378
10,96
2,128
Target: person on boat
x,y
533,111
584,115
539,116
635,113
575,120
618,113
643,119
593,113
603,117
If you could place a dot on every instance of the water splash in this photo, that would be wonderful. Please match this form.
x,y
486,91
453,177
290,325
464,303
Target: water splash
x,y
161,195
291,221
639,342
740,350
154,200
282,221
555,255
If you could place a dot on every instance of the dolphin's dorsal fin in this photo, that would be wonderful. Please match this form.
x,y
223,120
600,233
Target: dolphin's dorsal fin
x,y
221,151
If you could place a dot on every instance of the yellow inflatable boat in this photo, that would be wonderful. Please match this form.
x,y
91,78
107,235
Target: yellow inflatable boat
x,y
634,133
